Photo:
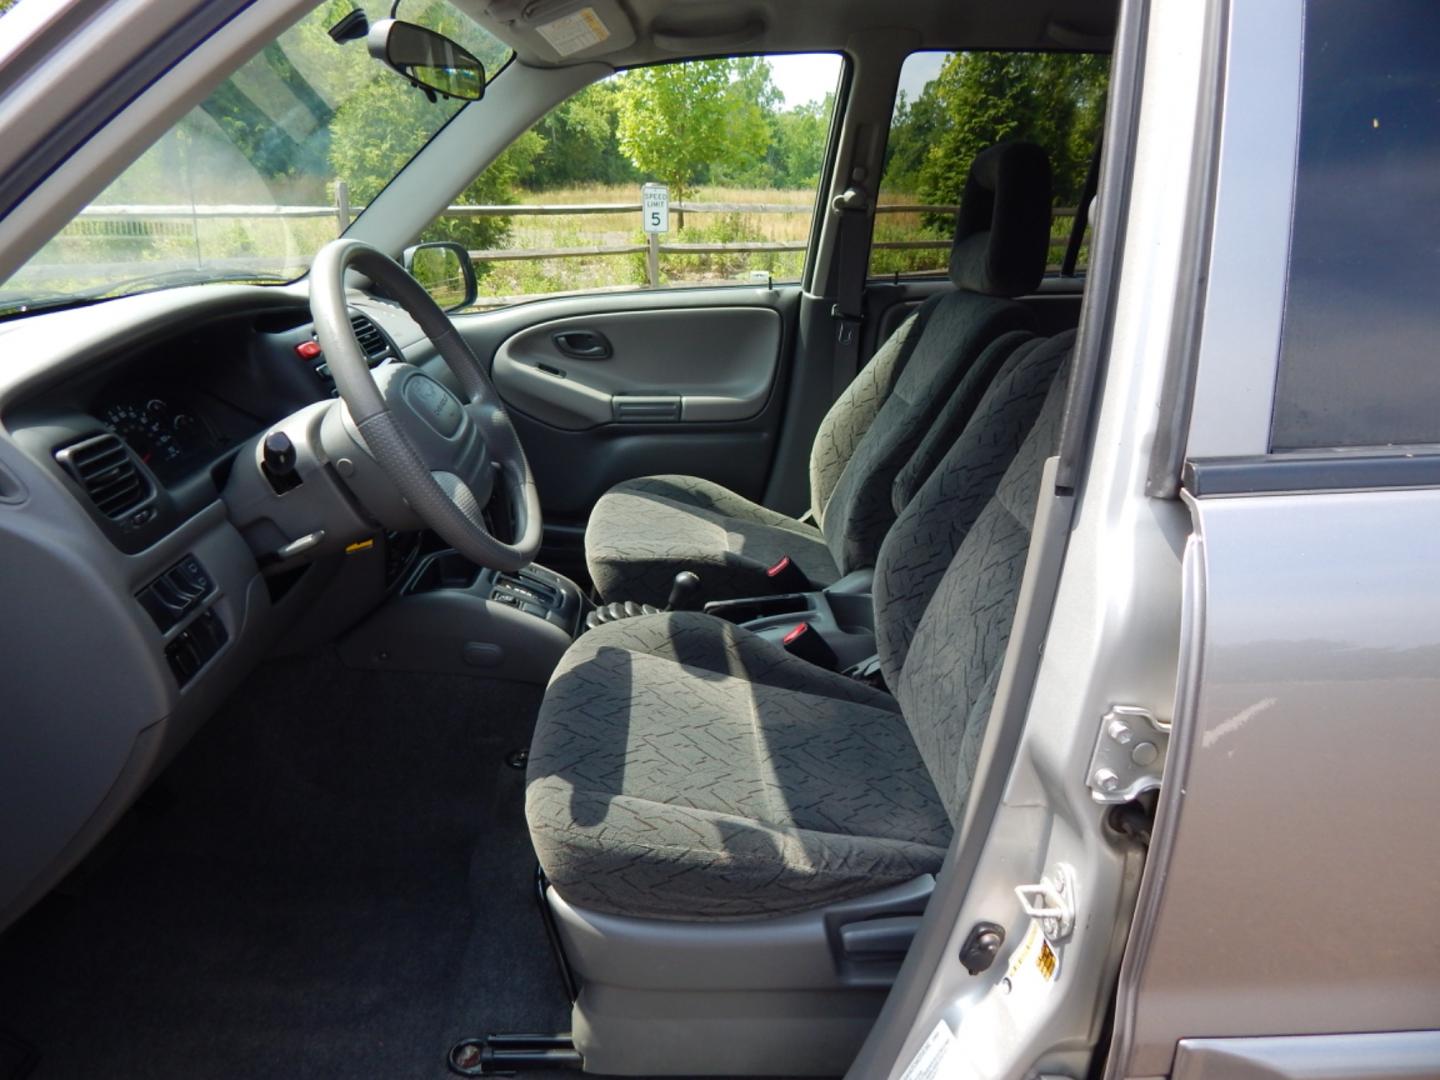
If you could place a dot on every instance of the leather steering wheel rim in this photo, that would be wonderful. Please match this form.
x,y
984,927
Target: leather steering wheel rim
x,y
450,502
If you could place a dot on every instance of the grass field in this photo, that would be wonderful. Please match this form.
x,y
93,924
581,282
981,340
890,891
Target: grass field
x,y
531,277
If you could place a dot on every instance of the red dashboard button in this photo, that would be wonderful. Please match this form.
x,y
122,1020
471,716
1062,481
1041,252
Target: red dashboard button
x,y
308,350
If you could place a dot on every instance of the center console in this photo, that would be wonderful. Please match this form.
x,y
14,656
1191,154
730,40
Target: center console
x,y
449,615
833,627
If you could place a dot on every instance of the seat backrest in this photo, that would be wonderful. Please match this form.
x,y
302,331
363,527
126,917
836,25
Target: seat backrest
x,y
952,659
937,516
1000,250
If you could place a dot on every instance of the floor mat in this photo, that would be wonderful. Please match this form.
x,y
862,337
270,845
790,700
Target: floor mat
x,y
334,879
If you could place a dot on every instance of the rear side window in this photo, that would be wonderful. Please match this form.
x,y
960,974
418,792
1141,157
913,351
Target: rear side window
x,y
1358,357
953,105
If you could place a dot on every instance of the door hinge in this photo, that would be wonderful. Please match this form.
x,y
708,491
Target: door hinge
x,y
1129,755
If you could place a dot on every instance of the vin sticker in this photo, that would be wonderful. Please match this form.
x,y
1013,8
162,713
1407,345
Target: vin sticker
x,y
938,1058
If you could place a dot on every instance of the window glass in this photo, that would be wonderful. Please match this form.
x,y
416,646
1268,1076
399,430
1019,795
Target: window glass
x,y
253,181
950,107
738,145
1358,362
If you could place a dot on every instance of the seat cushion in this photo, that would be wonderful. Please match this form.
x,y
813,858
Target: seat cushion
x,y
684,768
643,532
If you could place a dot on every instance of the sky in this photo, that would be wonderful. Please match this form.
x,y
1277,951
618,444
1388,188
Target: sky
x,y
810,77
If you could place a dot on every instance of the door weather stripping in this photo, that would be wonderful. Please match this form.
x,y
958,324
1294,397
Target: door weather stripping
x,y
1051,902
1129,755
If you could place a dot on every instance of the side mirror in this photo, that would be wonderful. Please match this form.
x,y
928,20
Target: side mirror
x,y
445,271
429,60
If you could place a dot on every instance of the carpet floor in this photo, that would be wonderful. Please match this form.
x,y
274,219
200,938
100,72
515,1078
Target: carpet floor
x,y
333,880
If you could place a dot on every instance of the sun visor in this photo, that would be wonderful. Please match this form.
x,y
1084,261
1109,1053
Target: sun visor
x,y
561,31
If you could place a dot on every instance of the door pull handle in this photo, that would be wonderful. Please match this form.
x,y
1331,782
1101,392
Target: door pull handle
x,y
583,344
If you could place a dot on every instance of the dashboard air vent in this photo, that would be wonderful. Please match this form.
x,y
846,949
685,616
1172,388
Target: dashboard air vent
x,y
102,465
374,343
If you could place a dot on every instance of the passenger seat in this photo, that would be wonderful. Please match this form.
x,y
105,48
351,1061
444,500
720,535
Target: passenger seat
x,y
684,768
643,532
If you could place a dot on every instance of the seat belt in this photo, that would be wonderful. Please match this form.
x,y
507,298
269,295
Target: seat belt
x,y
849,310
1082,215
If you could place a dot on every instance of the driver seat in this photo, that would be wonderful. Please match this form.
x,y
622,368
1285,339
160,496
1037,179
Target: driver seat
x,y
712,813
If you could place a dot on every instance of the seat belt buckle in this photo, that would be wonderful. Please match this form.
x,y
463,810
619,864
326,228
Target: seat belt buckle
x,y
804,641
787,577
867,671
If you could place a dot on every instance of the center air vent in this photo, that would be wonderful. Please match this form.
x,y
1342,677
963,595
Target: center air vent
x,y
376,345
104,467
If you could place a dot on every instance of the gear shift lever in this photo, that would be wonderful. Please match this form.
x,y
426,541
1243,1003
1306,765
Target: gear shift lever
x,y
684,595
684,592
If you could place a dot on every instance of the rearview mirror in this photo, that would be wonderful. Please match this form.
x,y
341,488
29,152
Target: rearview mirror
x,y
445,271
429,60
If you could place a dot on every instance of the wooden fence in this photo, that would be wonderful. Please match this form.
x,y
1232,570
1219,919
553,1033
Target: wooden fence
x,y
135,221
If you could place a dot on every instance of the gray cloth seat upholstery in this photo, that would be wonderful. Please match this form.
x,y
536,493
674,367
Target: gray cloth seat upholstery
x,y
685,768
644,531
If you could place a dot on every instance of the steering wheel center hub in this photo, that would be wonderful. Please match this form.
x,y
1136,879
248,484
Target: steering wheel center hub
x,y
433,403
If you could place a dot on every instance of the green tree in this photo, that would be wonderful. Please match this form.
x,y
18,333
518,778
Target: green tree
x,y
751,101
581,142
912,132
374,134
1054,99
673,121
797,145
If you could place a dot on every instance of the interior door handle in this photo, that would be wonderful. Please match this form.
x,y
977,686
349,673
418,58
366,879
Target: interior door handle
x,y
583,344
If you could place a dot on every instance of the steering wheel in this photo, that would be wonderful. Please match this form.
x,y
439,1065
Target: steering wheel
x,y
444,455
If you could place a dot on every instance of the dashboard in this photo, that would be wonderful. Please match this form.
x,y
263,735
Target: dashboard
x,y
137,598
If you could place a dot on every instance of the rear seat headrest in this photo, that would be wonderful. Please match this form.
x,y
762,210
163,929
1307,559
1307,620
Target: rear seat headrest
x,y
1002,237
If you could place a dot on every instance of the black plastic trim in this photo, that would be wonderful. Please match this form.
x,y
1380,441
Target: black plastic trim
x,y
552,934
1338,471
838,112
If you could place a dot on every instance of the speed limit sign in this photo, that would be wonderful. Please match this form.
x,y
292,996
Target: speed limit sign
x,y
655,208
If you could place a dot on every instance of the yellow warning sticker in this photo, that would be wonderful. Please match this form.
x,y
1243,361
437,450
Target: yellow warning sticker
x,y
1047,961
1035,956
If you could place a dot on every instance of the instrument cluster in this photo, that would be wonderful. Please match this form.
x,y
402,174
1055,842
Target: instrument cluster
x,y
164,430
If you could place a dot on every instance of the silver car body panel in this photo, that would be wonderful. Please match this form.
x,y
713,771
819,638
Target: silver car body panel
x,y
1288,880
1297,885
1389,1056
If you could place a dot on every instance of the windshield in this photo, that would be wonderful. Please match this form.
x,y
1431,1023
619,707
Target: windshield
x,y
252,182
